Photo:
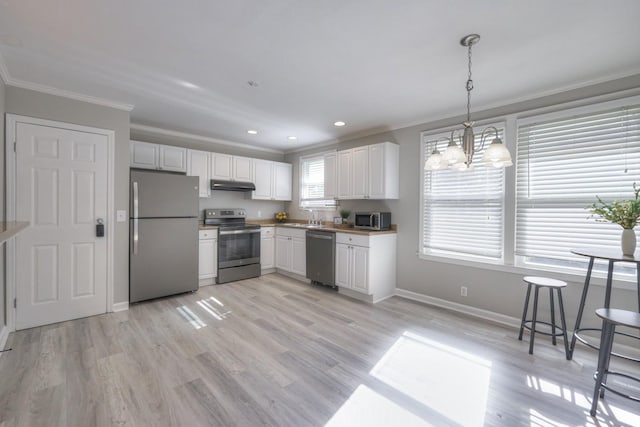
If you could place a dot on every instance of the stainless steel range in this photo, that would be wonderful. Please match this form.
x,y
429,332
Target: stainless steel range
x,y
238,244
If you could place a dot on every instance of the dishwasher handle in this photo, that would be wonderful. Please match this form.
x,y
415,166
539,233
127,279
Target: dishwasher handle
x,y
323,236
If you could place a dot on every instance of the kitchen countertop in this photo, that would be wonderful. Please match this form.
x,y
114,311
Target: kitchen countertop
x,y
325,227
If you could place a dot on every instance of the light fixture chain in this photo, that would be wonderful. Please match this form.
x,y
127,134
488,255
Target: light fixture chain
x,y
469,87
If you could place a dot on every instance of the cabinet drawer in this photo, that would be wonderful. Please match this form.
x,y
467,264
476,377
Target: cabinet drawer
x,y
267,232
352,239
208,234
291,232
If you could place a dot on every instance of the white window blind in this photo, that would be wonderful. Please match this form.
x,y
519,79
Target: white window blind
x,y
463,212
562,164
312,183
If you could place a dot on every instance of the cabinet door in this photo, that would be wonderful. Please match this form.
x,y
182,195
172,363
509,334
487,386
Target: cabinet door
x,y
198,165
267,256
330,175
342,265
263,174
299,256
173,158
282,181
242,169
221,166
208,259
360,264
376,171
344,174
143,155
360,173
283,253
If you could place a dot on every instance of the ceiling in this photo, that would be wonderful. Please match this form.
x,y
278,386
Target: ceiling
x,y
375,64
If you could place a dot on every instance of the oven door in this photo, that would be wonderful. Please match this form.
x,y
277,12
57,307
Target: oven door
x,y
238,247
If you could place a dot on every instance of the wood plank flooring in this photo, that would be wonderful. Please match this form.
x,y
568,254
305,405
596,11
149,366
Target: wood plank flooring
x,y
277,352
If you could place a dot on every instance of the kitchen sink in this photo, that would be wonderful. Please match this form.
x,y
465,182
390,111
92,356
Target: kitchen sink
x,y
301,225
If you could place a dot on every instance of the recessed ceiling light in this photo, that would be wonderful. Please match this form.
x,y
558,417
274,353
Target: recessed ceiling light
x,y
292,138
188,85
339,123
252,132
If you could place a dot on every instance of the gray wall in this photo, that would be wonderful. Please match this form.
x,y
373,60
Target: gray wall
x,y
3,287
256,209
497,291
44,106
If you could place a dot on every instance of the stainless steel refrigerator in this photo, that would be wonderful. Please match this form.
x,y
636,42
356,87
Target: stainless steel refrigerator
x,y
163,226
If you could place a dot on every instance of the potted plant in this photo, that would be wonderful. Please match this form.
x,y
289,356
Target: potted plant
x,y
625,213
344,213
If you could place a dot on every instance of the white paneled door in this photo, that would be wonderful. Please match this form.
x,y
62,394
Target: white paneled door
x,y
61,189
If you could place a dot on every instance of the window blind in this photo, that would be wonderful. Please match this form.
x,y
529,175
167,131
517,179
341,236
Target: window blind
x,y
312,183
562,164
463,212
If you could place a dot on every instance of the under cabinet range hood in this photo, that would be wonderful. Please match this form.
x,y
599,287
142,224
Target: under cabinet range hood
x,y
220,184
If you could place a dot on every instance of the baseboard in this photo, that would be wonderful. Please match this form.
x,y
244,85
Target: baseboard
x,y
501,319
4,335
120,306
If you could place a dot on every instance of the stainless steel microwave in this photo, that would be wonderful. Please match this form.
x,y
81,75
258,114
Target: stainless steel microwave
x,y
373,220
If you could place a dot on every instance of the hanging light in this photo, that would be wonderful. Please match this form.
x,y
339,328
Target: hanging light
x,y
460,157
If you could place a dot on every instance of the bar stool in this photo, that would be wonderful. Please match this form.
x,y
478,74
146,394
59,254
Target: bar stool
x,y
610,318
552,284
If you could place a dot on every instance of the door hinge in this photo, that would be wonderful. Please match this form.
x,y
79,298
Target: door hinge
x,y
15,303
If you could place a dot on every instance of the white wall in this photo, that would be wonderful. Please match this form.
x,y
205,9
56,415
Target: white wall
x,y
3,290
497,291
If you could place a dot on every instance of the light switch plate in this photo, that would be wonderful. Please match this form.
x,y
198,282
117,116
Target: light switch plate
x,y
121,216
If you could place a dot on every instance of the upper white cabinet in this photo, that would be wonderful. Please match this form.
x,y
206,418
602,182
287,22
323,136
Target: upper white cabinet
x,y
368,172
198,165
145,155
384,165
273,180
242,169
344,175
330,175
221,166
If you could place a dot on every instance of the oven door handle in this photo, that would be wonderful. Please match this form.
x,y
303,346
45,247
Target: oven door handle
x,y
224,233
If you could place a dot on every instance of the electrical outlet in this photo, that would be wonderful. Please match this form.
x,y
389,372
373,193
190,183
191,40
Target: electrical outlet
x,y
121,216
463,291
259,214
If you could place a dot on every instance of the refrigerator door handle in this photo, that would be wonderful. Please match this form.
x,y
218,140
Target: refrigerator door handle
x,y
135,218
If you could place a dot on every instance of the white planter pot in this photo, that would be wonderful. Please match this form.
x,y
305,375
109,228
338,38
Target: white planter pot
x,y
628,242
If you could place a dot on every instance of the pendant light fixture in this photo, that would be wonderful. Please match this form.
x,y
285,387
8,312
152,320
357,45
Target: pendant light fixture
x,y
459,157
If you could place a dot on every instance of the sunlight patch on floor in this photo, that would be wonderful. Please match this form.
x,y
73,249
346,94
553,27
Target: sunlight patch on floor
x,y
191,317
580,400
365,407
213,311
452,382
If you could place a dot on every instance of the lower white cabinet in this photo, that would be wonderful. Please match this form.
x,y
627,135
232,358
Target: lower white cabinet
x,y
291,250
267,248
207,256
366,264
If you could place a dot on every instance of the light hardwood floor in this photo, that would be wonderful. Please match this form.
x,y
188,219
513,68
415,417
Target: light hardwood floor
x,y
274,351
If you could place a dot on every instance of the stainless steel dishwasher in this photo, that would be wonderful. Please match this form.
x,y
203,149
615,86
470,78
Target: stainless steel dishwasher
x,y
321,257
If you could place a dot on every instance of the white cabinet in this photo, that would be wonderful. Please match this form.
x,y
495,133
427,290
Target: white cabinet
x,y
366,265
291,250
242,169
360,173
145,155
198,165
344,174
172,158
221,166
330,175
282,181
267,248
273,180
207,256
368,172
384,164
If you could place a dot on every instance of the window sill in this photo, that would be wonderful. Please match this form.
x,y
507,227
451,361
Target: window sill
x,y
568,275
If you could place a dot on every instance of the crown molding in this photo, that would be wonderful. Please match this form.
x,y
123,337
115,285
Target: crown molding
x,y
12,81
176,134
